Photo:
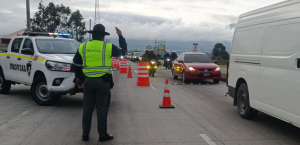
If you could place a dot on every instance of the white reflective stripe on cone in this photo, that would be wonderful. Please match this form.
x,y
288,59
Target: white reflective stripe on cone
x,y
123,67
123,62
166,95
166,87
143,76
142,66
143,71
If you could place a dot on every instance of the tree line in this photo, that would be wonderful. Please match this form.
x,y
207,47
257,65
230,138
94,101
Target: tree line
x,y
59,19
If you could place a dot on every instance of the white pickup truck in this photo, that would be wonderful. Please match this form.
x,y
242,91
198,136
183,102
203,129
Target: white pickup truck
x,y
44,63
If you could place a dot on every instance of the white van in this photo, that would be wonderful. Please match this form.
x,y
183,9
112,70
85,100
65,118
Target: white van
x,y
264,72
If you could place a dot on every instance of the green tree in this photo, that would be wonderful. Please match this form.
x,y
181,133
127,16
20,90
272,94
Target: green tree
x,y
60,19
219,52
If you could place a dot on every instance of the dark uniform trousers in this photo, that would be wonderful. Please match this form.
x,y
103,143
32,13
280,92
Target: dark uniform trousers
x,y
96,92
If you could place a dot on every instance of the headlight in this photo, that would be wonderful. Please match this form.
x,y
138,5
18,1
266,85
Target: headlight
x,y
58,66
134,57
148,67
155,66
217,69
168,59
152,62
191,69
121,57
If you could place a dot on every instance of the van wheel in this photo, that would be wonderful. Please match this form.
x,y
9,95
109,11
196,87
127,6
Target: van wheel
x,y
4,85
243,103
40,93
174,76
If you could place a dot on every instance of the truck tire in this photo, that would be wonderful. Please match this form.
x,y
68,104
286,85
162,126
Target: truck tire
x,y
41,95
243,103
4,85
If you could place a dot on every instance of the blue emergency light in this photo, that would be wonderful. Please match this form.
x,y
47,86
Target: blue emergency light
x,y
64,34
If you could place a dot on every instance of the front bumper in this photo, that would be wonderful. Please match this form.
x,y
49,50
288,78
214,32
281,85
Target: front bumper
x,y
197,75
68,84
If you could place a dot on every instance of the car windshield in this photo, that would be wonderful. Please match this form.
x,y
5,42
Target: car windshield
x,y
57,46
200,58
137,54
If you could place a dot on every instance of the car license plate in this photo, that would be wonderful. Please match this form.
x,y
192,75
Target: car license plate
x,y
206,74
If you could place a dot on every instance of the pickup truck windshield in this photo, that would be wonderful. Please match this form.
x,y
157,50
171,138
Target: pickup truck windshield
x,y
57,46
198,58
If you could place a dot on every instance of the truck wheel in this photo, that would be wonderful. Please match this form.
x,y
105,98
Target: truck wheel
x,y
216,81
40,93
4,85
243,103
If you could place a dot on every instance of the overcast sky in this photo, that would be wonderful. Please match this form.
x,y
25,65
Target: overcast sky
x,y
169,20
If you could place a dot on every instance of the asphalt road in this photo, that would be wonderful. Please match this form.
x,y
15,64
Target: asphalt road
x,y
203,115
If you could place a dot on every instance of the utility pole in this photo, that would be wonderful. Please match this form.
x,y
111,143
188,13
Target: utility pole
x,y
90,29
28,15
97,12
155,44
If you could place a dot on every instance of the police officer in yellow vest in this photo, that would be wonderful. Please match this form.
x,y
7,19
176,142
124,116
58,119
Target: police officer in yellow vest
x,y
93,71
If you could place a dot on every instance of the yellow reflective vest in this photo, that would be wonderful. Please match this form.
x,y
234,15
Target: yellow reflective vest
x,y
96,58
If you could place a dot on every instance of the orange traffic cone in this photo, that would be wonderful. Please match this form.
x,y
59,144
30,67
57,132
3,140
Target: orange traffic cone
x,y
123,66
167,99
118,66
143,75
129,75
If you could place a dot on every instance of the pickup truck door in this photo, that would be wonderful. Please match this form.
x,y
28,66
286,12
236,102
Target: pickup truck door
x,y
11,62
25,60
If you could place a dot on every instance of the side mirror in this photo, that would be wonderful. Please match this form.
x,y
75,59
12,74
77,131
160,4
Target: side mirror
x,y
27,51
180,61
216,62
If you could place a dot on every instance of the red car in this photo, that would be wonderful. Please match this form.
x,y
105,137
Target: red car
x,y
191,65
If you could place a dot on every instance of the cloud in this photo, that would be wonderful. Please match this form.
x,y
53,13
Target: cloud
x,y
169,20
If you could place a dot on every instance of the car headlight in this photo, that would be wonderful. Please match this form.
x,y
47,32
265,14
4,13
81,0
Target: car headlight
x,y
148,66
168,59
122,57
152,62
58,66
217,69
191,69
155,66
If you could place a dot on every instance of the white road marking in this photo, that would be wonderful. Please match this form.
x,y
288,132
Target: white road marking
x,y
207,139
135,71
25,112
152,87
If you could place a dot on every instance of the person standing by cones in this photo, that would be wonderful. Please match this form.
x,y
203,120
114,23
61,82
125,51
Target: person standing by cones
x,y
93,71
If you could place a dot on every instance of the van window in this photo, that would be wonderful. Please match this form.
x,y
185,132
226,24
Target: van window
x,y
243,40
282,38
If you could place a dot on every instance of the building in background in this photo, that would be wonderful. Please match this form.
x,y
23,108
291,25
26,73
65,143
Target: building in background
x,y
5,39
